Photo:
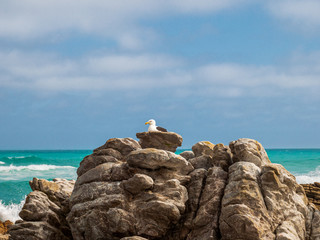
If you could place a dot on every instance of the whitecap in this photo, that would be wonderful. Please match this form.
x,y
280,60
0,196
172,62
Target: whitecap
x,y
10,211
19,157
32,167
310,177
2,162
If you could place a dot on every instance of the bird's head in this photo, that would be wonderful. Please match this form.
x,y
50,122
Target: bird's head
x,y
151,122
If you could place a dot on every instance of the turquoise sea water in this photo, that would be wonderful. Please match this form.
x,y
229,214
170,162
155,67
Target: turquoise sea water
x,y
17,168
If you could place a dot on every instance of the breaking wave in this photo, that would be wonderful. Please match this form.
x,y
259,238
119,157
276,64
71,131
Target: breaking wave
x,y
10,211
40,167
310,177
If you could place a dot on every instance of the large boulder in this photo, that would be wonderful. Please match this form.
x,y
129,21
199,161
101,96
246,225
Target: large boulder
x,y
187,155
249,150
208,155
244,214
265,203
44,212
151,158
122,145
139,195
203,148
58,190
222,156
161,140
203,161
93,160
138,183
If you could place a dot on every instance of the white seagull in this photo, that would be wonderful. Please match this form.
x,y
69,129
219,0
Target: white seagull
x,y
153,128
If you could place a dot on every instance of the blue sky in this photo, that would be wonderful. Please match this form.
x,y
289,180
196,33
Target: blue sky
x,y
76,73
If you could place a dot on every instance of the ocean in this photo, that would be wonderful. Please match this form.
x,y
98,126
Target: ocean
x,y
17,168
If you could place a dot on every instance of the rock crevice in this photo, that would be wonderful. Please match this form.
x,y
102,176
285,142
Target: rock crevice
x,y
129,190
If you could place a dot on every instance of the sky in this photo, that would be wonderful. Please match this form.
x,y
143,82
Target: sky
x,y
76,73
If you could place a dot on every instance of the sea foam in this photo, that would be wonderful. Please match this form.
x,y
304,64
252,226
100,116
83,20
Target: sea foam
x,y
2,162
10,211
19,157
40,167
310,177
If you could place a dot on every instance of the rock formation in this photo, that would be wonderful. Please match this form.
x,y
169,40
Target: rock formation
x,y
4,229
161,140
313,193
139,194
44,212
128,191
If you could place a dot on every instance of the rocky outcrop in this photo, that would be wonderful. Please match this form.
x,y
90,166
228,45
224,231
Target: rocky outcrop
x,y
117,145
313,193
44,212
139,195
207,155
203,148
262,200
249,150
187,155
161,140
4,229
128,192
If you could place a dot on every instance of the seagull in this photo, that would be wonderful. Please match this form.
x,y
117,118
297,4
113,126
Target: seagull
x,y
154,128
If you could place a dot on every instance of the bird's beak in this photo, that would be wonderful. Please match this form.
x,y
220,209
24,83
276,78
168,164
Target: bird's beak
x,y
146,123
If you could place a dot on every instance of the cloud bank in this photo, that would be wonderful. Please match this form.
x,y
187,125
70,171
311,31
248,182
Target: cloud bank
x,y
41,72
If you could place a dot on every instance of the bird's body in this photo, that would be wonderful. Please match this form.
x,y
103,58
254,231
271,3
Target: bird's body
x,y
153,128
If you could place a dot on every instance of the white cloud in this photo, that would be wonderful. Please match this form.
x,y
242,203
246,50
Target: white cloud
x,y
40,72
118,20
304,14
244,80
125,64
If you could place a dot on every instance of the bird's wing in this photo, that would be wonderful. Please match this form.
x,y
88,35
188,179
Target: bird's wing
x,y
161,129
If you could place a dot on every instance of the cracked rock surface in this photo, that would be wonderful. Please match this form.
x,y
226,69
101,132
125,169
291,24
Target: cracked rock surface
x,y
44,212
215,192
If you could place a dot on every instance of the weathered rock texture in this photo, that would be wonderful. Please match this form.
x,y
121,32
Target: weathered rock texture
x,y
313,193
215,192
140,196
4,229
161,140
203,148
117,145
262,200
44,212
